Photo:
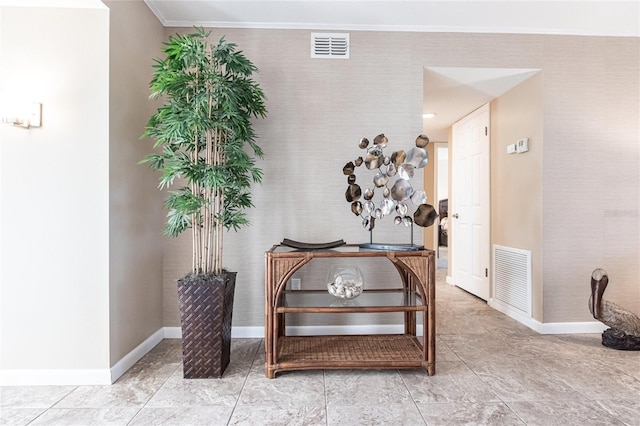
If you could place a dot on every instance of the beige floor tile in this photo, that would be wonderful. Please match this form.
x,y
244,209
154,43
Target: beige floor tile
x,y
469,413
561,413
295,388
365,387
244,351
86,416
497,323
492,347
133,389
191,416
525,380
145,375
453,382
19,416
627,411
168,351
32,396
134,396
598,382
444,352
278,416
180,392
387,414
459,324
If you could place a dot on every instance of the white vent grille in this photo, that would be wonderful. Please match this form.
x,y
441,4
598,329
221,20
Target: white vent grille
x,y
512,278
330,45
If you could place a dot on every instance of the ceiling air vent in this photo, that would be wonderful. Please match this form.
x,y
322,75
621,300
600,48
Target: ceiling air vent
x,y
330,45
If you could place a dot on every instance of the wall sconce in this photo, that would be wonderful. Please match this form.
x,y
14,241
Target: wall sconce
x,y
27,116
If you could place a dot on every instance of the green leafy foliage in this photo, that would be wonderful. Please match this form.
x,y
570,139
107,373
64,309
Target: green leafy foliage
x,y
204,137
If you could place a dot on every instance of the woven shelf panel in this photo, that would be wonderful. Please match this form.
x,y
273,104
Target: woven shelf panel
x,y
370,348
416,265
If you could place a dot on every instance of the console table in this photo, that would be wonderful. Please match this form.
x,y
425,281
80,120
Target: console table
x,y
407,350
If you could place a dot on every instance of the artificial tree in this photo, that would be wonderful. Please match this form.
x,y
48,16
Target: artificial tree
x,y
205,145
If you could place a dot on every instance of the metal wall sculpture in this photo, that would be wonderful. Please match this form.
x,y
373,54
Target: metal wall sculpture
x,y
392,176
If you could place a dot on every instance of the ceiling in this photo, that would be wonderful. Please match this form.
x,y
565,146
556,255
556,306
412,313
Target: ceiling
x,y
450,92
609,17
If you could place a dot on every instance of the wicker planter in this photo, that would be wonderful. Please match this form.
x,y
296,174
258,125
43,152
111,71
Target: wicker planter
x,y
206,306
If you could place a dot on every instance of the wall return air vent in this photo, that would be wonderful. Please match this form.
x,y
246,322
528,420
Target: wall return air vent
x,y
330,45
512,279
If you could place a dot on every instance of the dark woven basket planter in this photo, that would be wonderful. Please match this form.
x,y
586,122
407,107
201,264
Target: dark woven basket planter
x,y
206,306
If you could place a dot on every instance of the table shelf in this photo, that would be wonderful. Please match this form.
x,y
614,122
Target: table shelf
x,y
337,352
318,301
417,295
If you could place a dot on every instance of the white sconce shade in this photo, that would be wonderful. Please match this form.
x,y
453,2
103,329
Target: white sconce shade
x,y
26,116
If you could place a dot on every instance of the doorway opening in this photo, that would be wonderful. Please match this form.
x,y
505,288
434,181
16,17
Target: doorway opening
x,y
442,204
453,93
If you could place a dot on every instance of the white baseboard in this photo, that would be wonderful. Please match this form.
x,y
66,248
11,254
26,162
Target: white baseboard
x,y
549,327
247,332
236,332
305,330
127,361
590,327
449,280
172,332
78,377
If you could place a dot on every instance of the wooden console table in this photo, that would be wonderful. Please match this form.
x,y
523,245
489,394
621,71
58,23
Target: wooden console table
x,y
417,294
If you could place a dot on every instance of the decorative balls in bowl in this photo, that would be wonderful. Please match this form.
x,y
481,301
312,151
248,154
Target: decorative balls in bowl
x,y
345,282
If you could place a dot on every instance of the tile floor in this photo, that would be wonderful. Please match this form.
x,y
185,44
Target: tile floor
x,y
491,370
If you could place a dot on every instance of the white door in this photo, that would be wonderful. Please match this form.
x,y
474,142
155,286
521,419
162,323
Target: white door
x,y
469,204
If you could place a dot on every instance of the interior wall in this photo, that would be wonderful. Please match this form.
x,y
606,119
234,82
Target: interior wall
x,y
136,217
320,108
318,111
591,174
54,187
516,179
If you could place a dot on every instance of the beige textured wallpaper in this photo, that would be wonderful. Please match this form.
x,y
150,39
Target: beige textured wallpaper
x,y
135,205
319,108
590,172
516,179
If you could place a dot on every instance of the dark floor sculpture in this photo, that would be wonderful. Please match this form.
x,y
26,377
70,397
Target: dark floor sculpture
x,y
624,333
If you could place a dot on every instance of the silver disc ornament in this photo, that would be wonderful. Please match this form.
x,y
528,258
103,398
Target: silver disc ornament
x,y
401,190
356,208
419,157
368,194
380,179
392,174
425,215
419,197
422,141
406,171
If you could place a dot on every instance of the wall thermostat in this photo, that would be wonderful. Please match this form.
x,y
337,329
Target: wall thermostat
x,y
522,145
